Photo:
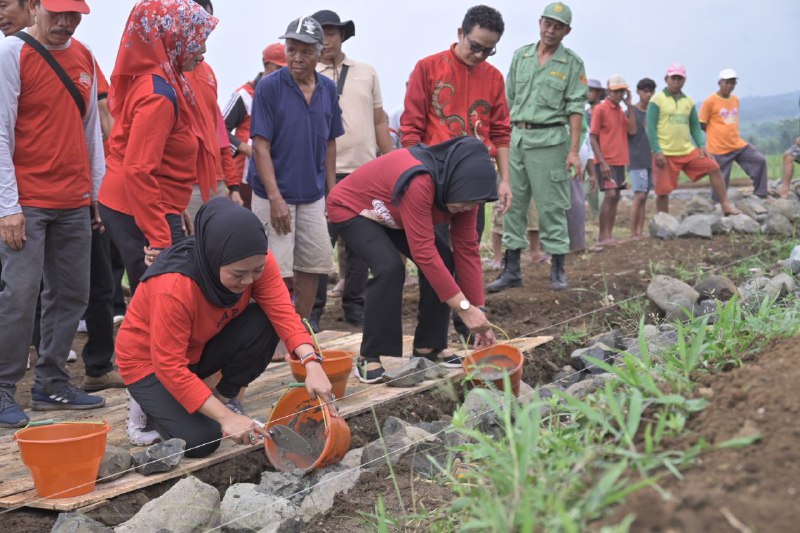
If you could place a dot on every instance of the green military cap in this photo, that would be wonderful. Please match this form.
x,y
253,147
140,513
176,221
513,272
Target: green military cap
x,y
560,12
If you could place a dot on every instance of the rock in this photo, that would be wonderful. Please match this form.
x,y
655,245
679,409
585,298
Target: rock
x,y
721,226
479,409
672,296
115,464
698,205
716,288
663,226
694,226
189,506
321,497
290,525
408,375
734,194
580,358
161,457
706,308
754,290
431,369
664,340
789,208
794,260
245,508
78,523
752,206
588,385
567,376
286,485
398,445
778,224
743,223
612,339
781,285
650,331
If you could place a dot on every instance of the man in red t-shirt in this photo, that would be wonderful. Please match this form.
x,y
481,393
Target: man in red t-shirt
x,y
46,190
609,136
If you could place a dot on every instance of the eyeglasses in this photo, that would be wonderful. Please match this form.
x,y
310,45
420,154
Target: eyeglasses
x,y
476,48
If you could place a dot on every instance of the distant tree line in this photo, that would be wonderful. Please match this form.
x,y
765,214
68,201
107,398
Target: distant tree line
x,y
772,137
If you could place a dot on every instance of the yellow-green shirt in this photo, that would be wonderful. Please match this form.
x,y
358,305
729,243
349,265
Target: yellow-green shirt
x,y
546,94
672,125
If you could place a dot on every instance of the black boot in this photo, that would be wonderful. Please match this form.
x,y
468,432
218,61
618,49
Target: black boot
x,y
558,274
510,276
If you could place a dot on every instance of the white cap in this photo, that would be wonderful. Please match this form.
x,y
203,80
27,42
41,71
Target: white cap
x,y
728,74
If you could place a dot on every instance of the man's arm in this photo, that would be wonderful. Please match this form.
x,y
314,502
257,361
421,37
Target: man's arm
x,y
696,131
414,121
280,216
330,165
574,158
504,187
12,221
651,119
234,113
94,140
382,136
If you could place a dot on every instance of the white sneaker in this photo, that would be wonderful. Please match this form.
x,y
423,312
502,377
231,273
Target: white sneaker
x,y
118,319
72,357
137,422
82,327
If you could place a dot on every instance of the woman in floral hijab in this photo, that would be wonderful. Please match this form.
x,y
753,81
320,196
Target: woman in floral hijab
x,y
157,135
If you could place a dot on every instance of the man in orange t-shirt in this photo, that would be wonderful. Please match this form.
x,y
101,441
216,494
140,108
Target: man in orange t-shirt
x,y
719,118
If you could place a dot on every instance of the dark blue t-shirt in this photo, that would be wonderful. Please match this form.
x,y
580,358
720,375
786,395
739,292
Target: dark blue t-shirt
x,y
299,134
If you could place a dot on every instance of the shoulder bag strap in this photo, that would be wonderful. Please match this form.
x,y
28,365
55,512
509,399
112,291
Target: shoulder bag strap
x,y
342,77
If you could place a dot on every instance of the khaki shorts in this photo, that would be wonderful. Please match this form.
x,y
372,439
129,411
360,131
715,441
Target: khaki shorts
x,y
307,248
533,220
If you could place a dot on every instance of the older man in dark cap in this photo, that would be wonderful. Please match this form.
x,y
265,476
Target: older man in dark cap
x,y
365,127
294,125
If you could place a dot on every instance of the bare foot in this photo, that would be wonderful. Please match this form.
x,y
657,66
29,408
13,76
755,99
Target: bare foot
x,y
541,257
783,191
730,209
595,249
637,237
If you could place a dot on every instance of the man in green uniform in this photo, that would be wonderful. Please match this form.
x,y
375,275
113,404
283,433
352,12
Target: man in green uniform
x,y
546,89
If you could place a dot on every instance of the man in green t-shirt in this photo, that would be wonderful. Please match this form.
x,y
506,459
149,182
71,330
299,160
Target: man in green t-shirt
x,y
546,89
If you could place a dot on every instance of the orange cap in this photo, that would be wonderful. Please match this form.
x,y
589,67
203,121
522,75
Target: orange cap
x,y
274,53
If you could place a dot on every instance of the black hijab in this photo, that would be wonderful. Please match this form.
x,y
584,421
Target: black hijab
x,y
461,170
224,233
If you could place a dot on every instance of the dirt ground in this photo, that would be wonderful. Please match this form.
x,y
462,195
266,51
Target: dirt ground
x,y
598,279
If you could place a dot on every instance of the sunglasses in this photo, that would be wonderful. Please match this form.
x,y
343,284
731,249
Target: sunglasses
x,y
475,48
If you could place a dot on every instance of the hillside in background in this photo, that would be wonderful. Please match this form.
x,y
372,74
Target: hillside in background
x,y
755,109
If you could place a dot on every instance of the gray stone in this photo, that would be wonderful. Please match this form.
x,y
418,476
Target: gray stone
x,y
589,385
479,408
789,208
580,358
778,224
161,457
706,308
612,339
694,226
290,525
752,206
115,464
408,375
734,194
285,485
246,508
743,223
716,288
431,369
663,226
754,290
322,495
189,506
650,331
672,295
78,523
398,445
721,225
782,285
794,260
663,341
568,375
698,205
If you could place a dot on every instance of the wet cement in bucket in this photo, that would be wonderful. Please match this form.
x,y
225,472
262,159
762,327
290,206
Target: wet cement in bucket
x,y
313,432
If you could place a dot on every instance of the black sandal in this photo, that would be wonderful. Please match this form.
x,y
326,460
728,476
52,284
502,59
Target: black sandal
x,y
446,361
368,376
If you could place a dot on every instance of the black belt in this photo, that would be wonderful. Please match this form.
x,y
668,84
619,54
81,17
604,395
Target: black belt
x,y
533,126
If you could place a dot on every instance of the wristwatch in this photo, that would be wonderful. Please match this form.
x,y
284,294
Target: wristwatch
x,y
464,304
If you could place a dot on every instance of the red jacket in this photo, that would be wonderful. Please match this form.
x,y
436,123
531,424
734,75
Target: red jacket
x,y
367,192
445,98
169,321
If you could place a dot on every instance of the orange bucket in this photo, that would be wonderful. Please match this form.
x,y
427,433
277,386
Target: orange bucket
x,y
492,363
327,434
63,458
337,364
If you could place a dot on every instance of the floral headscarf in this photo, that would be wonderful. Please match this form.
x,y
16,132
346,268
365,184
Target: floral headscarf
x,y
159,37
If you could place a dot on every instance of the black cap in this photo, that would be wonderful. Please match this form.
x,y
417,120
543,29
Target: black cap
x,y
326,17
646,83
304,29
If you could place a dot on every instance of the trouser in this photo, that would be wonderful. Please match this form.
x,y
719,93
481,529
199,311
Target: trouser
x,y
378,247
130,241
576,217
355,280
99,349
196,201
240,351
117,272
539,173
56,251
752,162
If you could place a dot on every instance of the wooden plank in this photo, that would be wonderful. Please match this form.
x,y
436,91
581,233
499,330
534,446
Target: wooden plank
x,y
16,489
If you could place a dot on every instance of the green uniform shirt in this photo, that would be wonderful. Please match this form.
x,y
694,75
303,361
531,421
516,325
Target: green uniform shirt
x,y
546,94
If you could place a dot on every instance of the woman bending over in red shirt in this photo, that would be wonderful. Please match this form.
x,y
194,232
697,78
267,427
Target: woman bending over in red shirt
x,y
192,318
392,204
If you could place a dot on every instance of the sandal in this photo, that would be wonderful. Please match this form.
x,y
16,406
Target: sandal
x,y
436,356
365,374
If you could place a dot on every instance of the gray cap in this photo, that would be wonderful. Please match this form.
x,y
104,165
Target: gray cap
x,y
595,84
304,29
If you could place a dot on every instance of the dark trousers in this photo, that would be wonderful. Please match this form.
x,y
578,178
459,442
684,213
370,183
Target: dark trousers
x,y
378,247
130,240
355,280
99,349
241,351
117,272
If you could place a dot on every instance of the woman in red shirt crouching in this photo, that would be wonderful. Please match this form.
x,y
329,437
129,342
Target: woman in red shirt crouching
x,y
191,317
391,205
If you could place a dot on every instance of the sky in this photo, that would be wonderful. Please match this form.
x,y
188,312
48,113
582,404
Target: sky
x,y
635,38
